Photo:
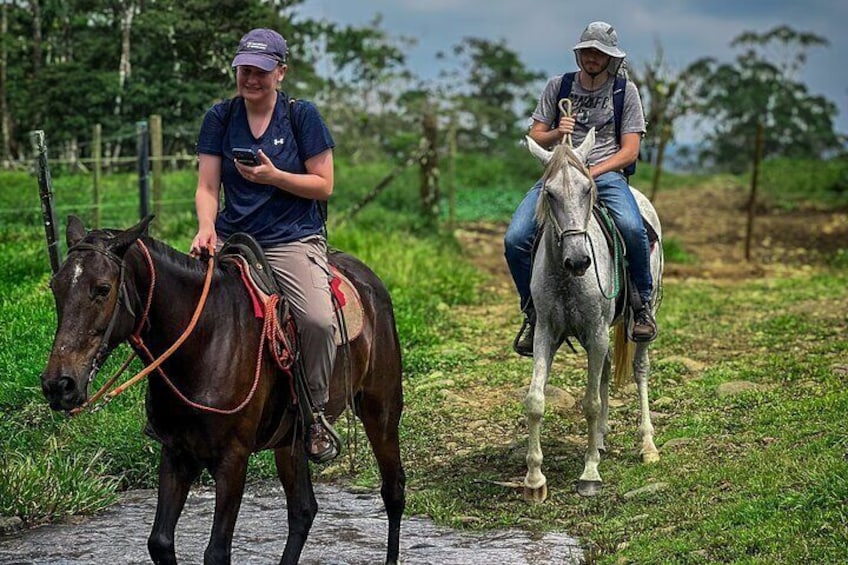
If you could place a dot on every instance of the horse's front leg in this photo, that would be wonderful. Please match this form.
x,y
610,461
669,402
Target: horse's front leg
x,y
301,506
229,474
176,473
535,483
590,483
603,424
641,368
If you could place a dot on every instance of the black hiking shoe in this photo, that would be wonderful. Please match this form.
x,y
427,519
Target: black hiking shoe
x,y
523,342
644,325
322,442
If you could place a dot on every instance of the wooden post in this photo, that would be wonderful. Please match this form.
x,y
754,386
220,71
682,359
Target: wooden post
x,y
452,175
97,158
430,168
156,158
45,189
665,134
143,156
752,200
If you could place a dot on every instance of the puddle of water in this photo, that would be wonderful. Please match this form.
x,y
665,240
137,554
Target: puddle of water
x,y
350,529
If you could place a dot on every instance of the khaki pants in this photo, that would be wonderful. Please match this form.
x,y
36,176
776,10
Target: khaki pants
x,y
303,275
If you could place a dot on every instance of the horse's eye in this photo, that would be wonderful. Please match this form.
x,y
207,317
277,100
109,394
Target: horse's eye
x,y
101,291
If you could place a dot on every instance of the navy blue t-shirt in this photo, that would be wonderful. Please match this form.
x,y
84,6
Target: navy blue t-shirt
x,y
271,215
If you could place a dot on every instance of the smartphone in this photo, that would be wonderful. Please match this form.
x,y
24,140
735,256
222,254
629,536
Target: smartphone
x,y
245,156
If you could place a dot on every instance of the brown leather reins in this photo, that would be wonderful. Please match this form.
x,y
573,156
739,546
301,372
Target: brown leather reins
x,y
155,364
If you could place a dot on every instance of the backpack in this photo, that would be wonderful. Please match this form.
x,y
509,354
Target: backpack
x,y
618,90
322,204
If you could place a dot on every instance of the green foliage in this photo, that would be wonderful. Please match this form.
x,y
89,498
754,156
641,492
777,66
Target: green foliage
x,y
54,485
732,99
674,252
787,183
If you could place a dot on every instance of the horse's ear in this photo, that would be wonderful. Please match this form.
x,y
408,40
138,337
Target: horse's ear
x,y
538,151
121,242
587,145
75,231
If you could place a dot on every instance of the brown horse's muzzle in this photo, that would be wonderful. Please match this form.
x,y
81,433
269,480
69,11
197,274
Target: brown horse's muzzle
x,y
63,392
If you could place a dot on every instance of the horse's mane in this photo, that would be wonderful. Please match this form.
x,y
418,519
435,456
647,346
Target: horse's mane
x,y
178,259
562,159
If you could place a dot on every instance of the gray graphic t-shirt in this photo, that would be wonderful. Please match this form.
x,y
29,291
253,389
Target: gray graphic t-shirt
x,y
594,109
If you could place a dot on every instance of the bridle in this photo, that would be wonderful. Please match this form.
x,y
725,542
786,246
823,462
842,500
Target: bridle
x,y
135,337
123,298
561,233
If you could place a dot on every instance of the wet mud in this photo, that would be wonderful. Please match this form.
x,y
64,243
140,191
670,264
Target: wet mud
x,y
350,529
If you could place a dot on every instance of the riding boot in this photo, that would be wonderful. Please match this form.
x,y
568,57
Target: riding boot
x,y
523,342
323,442
644,325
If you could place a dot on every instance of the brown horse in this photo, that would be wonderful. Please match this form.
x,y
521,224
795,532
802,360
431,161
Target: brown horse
x,y
101,291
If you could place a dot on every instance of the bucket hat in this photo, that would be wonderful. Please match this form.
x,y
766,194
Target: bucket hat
x,y
600,36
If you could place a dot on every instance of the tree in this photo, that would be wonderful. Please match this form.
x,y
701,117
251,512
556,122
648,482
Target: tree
x,y
367,72
731,99
486,90
664,93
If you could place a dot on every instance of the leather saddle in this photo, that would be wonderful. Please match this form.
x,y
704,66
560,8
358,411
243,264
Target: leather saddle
x,y
244,251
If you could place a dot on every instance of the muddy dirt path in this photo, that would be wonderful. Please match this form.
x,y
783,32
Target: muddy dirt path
x,y
350,529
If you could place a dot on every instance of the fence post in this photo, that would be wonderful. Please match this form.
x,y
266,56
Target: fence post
x,y
452,174
430,167
143,145
97,156
752,200
45,189
156,158
665,135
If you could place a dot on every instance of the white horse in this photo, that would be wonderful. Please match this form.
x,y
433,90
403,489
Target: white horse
x,y
573,286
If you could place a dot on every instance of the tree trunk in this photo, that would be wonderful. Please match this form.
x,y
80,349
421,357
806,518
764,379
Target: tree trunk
x,y
124,67
430,168
36,52
5,125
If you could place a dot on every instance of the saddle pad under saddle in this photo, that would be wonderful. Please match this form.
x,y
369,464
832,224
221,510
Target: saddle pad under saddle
x,y
347,299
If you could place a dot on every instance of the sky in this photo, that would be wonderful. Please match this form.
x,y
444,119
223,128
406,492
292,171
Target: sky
x,y
543,32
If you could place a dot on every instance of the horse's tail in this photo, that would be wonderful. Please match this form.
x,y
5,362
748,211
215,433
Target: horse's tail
x,y
623,353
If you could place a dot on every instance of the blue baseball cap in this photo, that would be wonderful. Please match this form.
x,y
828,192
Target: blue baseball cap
x,y
263,48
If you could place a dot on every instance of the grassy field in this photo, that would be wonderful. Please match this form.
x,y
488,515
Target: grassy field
x,y
757,476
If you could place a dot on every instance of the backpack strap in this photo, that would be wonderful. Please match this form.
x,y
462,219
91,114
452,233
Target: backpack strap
x,y
322,204
618,90
564,92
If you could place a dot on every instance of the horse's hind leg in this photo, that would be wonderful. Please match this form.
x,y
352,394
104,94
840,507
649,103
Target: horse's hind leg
x,y
176,473
301,506
641,368
380,416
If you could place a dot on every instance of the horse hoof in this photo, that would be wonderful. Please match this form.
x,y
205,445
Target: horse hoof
x,y
536,495
589,488
650,457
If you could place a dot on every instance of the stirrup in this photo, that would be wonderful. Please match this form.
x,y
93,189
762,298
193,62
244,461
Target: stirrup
x,y
520,344
334,440
651,324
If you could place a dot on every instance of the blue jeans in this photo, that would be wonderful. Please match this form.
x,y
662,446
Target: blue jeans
x,y
615,194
